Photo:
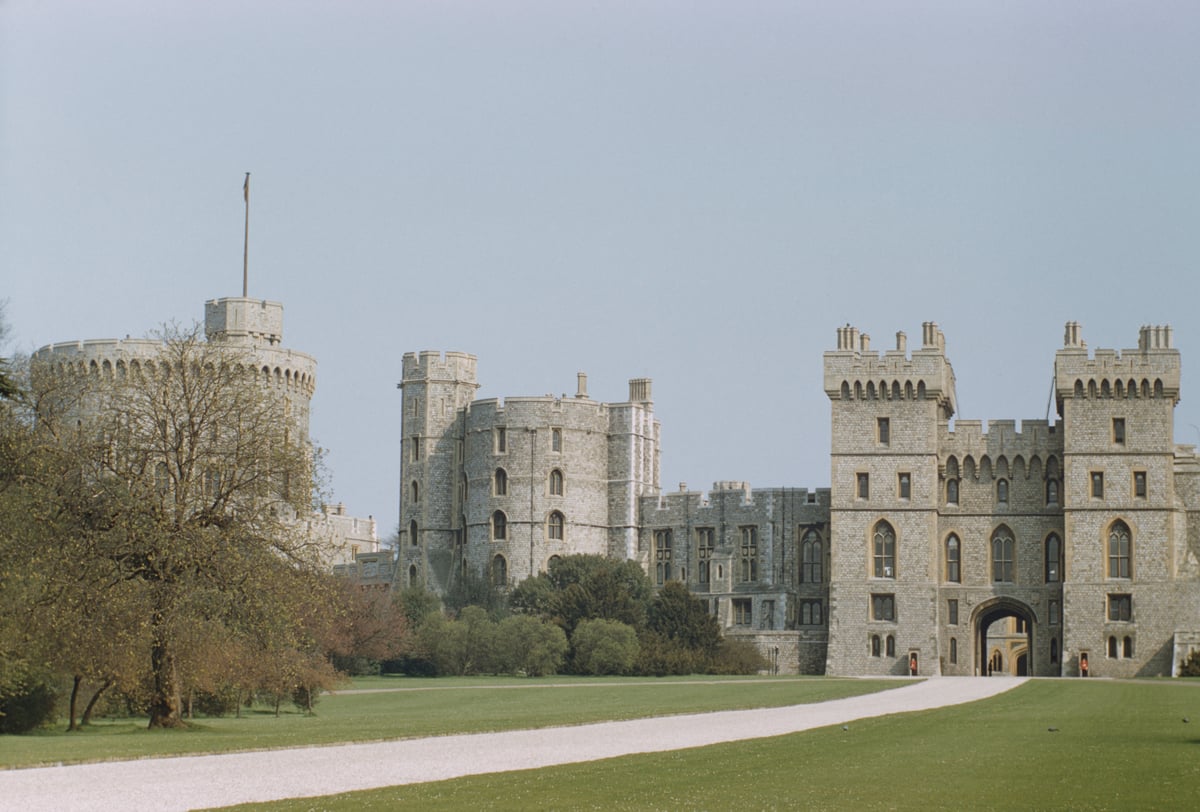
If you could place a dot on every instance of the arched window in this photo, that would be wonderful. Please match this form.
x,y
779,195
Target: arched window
x,y
1002,491
501,482
953,559
415,492
554,527
1053,559
1051,491
1003,558
810,557
499,526
953,650
662,556
553,563
1119,551
556,483
891,646
884,551
412,533
951,491
412,575
874,645
1112,647
1054,650
499,571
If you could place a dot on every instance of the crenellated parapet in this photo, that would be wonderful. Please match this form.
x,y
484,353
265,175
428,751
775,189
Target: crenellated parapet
x,y
1000,451
854,372
1151,370
429,365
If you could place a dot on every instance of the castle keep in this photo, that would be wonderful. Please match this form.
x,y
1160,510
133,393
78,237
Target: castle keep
x,y
1049,550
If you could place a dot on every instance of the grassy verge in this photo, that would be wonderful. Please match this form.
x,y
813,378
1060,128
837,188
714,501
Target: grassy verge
x,y
415,707
1116,746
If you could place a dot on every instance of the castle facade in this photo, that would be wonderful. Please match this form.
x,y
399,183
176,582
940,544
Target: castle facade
x,y
1057,549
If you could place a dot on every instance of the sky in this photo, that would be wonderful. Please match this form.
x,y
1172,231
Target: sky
x,y
696,192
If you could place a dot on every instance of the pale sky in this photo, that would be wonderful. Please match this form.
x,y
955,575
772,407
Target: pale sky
x,y
695,192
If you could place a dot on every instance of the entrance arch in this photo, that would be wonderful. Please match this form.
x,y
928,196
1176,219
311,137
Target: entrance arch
x,y
1008,649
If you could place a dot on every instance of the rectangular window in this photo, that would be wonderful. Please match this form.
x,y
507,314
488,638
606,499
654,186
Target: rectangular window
x,y
1139,484
768,615
662,556
864,486
501,434
749,554
810,613
556,439
415,447
1119,430
1120,607
905,486
1097,485
952,611
704,551
953,651
883,607
1054,613
883,427
743,614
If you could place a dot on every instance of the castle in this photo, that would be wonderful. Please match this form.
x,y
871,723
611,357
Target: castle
x,y
1059,549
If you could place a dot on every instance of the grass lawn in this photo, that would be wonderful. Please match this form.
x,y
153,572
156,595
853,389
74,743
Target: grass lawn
x,y
1118,745
394,708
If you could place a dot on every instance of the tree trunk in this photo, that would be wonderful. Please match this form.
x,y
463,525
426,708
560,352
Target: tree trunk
x,y
74,696
165,702
91,705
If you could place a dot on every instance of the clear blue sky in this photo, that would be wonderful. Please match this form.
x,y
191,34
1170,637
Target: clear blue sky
x,y
695,192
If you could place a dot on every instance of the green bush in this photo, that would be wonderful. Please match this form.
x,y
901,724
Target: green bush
x,y
661,656
27,709
737,657
217,703
604,647
527,645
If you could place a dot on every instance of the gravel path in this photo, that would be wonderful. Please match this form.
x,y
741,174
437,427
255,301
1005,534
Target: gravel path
x,y
188,782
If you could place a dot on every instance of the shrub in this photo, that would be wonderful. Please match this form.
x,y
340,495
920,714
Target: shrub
x,y
526,644
217,703
660,656
27,709
604,647
737,657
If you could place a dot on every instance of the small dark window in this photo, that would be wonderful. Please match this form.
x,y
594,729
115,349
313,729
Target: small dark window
x,y
1119,430
905,486
1139,484
1053,559
953,559
556,439
1128,647
952,491
1120,607
864,486
501,440
501,482
1051,492
884,427
1002,491
883,607
1097,485
555,526
953,650
875,648
743,612
1054,615
952,611
891,646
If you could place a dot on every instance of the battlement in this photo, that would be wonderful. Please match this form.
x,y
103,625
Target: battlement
x,y
432,365
737,493
854,371
1152,369
1001,438
237,318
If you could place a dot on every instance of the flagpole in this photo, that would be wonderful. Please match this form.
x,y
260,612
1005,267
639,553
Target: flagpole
x,y
246,242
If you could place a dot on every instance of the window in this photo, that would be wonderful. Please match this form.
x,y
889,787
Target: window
x,y
414,447
501,439
1053,559
556,440
810,613
1054,613
767,619
415,492
1002,491
1097,485
905,486
1119,551
1054,650
884,430
1127,649
1003,564
743,613
499,571
749,554
1112,647
1120,607
704,551
500,482
810,557
556,483
662,556
891,646
864,486
952,491
555,525
1139,484
875,648
953,559
953,650
413,537
883,607
1119,430
884,551
1051,491
499,526
952,611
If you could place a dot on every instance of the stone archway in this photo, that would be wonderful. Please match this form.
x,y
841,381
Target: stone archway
x,y
1013,644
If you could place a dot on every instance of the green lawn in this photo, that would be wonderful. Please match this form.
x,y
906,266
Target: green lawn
x,y
1118,745
425,707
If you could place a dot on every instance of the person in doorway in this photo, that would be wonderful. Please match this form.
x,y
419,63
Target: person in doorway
x,y
912,665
